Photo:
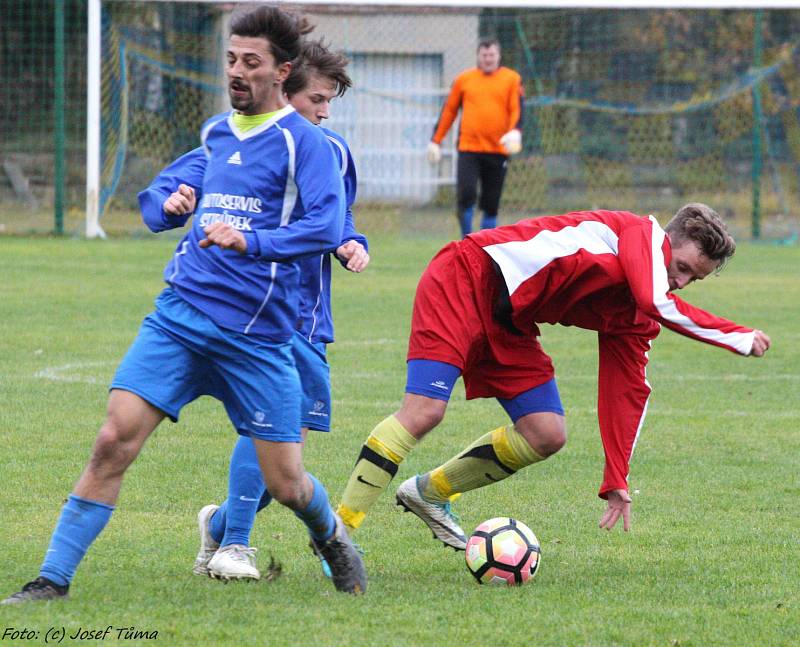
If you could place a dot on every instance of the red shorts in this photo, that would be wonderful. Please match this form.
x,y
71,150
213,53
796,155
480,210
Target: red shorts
x,y
452,322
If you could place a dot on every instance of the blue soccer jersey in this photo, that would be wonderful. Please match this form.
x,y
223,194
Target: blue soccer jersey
x,y
315,322
314,319
280,185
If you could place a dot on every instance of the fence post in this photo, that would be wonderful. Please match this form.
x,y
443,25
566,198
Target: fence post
x,y
756,221
58,113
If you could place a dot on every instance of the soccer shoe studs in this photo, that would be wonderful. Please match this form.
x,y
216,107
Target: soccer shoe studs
x,y
347,568
40,589
438,517
234,562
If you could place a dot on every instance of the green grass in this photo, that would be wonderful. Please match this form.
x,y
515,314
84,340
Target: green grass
x,y
712,558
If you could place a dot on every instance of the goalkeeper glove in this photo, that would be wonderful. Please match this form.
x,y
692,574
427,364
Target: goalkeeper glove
x,y
512,141
434,153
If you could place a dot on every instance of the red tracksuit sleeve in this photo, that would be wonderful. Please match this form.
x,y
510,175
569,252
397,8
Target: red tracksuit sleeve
x,y
621,403
641,254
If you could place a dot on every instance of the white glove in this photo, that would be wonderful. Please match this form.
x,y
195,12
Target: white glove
x,y
512,141
434,153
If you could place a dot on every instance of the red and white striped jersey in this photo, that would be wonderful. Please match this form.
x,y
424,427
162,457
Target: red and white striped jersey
x,y
604,271
601,270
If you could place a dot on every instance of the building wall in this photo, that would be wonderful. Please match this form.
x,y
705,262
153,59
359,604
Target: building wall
x,y
402,64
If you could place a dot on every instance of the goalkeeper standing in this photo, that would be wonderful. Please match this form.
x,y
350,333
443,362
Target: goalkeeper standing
x,y
490,99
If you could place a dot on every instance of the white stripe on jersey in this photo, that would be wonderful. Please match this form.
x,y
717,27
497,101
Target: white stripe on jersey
x,y
338,144
519,260
204,135
290,194
741,342
178,253
289,201
319,299
644,408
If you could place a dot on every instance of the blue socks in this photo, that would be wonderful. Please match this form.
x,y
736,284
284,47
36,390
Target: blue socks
x,y
318,514
488,222
465,221
234,520
218,520
80,522
247,495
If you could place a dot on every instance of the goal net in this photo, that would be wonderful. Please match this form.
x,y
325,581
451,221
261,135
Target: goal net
x,y
625,109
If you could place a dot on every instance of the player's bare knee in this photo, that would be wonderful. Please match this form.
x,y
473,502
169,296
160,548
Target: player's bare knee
x,y
112,452
545,433
420,414
552,441
290,493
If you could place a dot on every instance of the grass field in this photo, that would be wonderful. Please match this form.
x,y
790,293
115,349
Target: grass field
x,y
712,558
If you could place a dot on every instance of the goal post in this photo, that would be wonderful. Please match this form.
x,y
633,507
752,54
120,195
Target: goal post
x,y
93,86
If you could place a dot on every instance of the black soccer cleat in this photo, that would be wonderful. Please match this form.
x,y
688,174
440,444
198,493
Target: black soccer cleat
x,y
343,560
39,589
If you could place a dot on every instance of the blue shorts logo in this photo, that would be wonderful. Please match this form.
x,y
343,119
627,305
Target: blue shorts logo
x,y
259,417
319,409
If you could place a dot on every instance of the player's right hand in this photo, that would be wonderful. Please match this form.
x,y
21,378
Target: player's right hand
x,y
181,202
434,153
619,505
761,344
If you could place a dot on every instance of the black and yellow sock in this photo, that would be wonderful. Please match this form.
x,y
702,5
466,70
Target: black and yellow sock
x,y
387,446
493,457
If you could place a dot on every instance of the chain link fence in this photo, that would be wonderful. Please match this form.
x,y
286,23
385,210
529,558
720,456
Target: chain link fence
x,y
625,109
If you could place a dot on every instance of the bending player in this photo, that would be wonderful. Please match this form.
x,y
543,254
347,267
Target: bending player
x,y
476,313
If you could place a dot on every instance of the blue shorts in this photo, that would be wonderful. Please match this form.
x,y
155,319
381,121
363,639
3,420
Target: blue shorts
x,y
436,380
180,354
315,380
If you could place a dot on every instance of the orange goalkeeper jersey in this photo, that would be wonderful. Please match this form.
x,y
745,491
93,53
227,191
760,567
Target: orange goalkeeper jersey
x,y
491,105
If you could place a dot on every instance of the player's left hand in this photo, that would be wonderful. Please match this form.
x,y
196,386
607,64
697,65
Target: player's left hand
x,y
512,141
619,504
223,235
355,254
761,344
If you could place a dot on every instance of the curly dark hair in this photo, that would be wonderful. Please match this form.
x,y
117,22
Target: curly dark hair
x,y
282,29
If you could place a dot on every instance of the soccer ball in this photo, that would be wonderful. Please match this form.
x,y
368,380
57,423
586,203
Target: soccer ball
x,y
503,552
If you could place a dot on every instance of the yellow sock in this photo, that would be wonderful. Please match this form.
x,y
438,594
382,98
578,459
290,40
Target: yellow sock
x,y
387,446
493,457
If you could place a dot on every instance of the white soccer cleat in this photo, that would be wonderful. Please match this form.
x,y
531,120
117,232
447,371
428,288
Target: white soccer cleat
x,y
208,545
234,562
438,516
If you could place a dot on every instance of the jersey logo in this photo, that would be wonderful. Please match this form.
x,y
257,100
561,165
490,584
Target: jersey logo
x,y
236,158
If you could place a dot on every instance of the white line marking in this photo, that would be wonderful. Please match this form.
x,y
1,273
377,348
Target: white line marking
x,y
73,372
